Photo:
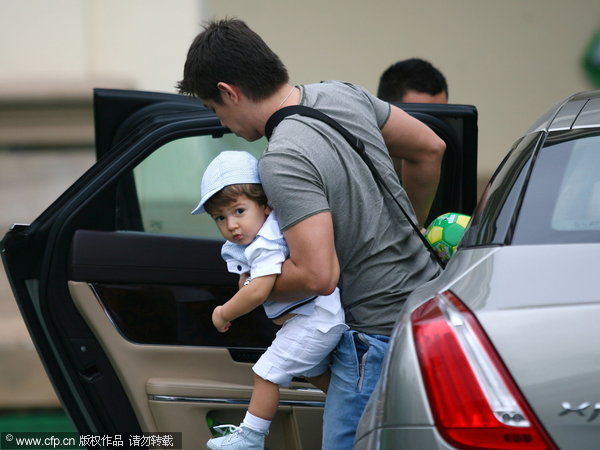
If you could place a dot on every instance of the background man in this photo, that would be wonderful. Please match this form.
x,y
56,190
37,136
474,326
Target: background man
x,y
413,81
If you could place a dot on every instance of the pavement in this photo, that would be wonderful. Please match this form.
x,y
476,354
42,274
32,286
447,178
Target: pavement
x,y
29,181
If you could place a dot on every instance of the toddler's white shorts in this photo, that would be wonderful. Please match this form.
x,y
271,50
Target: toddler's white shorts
x,y
302,347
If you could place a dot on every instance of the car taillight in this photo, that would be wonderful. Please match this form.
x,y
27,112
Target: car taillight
x,y
474,400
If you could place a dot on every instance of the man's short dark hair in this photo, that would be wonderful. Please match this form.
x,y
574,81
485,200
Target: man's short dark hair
x,y
410,75
229,51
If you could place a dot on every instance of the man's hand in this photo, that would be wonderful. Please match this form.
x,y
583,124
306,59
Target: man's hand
x,y
220,323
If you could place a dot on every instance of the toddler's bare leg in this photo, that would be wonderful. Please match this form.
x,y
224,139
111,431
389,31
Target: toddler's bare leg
x,y
321,381
265,399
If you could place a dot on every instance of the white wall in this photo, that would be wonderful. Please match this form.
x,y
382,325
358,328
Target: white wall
x,y
40,38
138,42
145,40
513,59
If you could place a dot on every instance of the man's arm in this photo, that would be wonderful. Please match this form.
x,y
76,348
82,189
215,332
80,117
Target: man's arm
x,y
312,267
421,151
245,300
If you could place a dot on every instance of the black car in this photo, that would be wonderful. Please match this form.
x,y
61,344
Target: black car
x,y
116,281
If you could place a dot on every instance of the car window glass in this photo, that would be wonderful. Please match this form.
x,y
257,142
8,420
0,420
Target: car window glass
x,y
578,202
155,201
491,222
562,203
167,183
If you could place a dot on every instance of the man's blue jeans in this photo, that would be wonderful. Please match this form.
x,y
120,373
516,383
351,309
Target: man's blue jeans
x,y
356,367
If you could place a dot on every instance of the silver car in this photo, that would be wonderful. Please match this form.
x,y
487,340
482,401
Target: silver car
x,y
501,351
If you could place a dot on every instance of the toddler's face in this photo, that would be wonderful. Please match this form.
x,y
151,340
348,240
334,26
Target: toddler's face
x,y
240,221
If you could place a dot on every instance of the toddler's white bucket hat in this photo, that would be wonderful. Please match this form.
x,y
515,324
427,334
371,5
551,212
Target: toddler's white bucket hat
x,y
230,167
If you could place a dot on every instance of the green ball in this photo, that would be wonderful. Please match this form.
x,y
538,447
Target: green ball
x,y
445,232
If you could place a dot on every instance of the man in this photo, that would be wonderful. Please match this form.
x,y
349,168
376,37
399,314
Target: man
x,y
413,81
340,228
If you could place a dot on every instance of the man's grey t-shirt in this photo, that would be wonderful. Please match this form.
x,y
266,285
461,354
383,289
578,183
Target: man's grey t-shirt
x,y
309,168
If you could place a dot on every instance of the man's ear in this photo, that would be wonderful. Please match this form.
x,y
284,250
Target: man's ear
x,y
229,92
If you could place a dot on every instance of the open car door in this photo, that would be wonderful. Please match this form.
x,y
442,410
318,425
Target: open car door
x,y
116,281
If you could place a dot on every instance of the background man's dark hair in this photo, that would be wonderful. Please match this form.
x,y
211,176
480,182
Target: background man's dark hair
x,y
410,75
229,51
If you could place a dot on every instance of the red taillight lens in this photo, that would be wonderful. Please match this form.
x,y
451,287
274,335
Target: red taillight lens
x,y
475,402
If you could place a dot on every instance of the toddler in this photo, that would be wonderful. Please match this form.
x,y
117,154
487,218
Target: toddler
x,y
310,328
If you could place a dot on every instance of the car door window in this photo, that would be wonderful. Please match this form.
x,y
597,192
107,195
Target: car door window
x,y
167,183
161,275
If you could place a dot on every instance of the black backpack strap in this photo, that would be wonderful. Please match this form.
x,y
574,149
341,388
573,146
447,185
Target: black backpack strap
x,y
357,145
282,113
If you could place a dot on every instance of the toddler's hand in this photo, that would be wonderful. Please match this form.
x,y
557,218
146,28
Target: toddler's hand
x,y
219,322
